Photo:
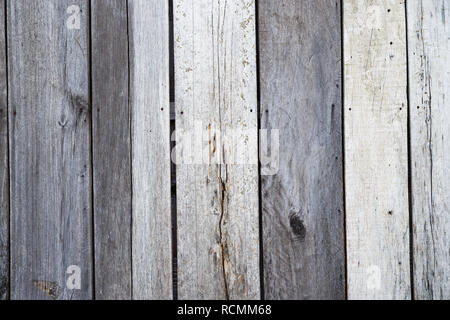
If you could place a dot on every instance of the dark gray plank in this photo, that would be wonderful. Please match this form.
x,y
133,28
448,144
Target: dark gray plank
x,y
302,206
111,150
49,118
4,183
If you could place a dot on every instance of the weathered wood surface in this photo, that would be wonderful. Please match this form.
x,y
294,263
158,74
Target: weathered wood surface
x,y
72,196
111,149
49,117
4,169
429,96
302,202
217,197
150,134
376,158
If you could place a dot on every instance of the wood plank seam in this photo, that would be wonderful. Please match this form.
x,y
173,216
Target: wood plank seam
x,y
258,112
91,146
410,200
4,159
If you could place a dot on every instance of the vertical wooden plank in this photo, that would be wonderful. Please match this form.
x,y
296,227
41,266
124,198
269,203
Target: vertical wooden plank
x,y
217,197
4,168
150,107
302,200
111,150
429,80
376,159
49,117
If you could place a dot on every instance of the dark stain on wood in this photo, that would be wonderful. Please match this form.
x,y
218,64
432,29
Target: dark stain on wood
x,y
48,287
297,226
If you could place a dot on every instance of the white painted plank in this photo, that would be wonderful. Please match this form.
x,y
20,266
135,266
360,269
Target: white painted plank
x,y
149,99
215,90
429,96
376,164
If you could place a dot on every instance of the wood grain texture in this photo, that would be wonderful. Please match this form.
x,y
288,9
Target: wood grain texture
x,y
217,194
376,159
150,108
302,202
111,149
4,168
429,96
49,117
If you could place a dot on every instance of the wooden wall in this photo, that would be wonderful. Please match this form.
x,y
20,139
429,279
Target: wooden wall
x,y
130,133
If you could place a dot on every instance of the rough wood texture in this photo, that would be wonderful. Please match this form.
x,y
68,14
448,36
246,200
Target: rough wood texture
x,y
429,96
150,108
4,175
215,93
302,203
111,150
49,119
376,159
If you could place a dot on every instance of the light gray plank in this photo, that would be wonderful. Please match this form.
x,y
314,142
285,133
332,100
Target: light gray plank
x,y
111,149
302,196
49,118
376,156
217,194
4,174
150,108
429,94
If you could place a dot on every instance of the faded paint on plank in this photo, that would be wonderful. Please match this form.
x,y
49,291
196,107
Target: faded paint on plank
x,y
302,202
49,117
376,158
217,198
150,134
111,150
429,96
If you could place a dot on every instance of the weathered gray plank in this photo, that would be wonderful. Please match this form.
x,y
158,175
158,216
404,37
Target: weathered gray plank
x,y
429,96
49,120
4,174
376,157
150,108
302,202
217,194
111,149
